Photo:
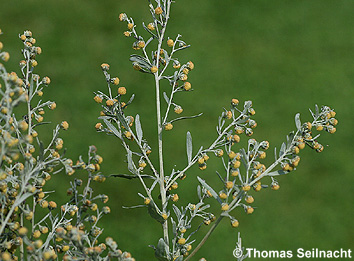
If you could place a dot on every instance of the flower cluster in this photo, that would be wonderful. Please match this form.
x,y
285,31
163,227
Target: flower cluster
x,y
32,225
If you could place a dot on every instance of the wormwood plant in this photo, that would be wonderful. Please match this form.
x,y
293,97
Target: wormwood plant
x,y
32,225
244,173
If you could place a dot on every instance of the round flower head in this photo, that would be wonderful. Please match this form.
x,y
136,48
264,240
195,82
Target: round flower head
x,y
151,26
235,223
181,241
98,99
109,102
122,90
105,66
52,106
127,34
178,109
130,26
141,44
183,77
234,102
153,69
168,126
46,80
38,50
122,17
136,66
176,64
64,125
187,86
115,80
170,43
224,207
158,10
5,56
190,65
34,63
249,199
249,210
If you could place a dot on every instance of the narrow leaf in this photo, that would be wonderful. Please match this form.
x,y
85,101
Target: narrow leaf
x,y
177,212
41,151
139,131
317,111
122,121
212,191
112,128
199,192
297,121
131,99
282,149
166,98
160,251
277,173
154,214
131,166
189,147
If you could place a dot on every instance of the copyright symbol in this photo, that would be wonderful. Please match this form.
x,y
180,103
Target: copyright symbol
x,y
237,252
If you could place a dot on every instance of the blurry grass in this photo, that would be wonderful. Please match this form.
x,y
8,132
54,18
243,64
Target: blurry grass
x,y
285,56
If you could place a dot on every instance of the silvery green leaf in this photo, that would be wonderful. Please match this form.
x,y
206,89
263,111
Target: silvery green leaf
x,y
244,158
131,166
166,98
199,192
174,228
275,153
122,121
189,147
177,212
41,151
180,258
243,120
289,139
317,111
198,205
312,114
248,104
212,191
282,149
139,131
154,214
160,251
175,76
277,173
31,86
297,121
131,99
222,123
205,207
112,128
142,61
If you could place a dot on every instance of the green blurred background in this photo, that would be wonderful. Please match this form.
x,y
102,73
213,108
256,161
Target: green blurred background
x,y
283,55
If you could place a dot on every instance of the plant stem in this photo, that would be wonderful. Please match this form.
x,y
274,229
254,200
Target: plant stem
x,y
201,243
160,143
160,127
